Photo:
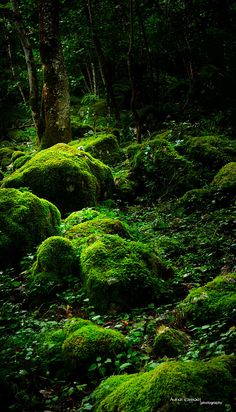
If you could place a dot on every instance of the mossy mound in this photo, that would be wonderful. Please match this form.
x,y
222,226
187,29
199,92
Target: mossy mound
x,y
215,300
17,154
225,179
78,344
56,265
209,153
70,178
98,226
160,170
170,342
80,216
219,194
25,221
101,146
120,273
5,156
172,386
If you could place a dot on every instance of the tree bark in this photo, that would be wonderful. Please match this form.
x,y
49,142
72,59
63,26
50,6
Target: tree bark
x,y
55,94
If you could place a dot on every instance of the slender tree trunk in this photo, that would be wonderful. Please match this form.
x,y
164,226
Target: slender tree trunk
x,y
31,67
55,94
132,78
103,66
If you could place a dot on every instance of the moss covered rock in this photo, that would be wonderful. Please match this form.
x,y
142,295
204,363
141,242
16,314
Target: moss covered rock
x,y
160,170
97,226
172,386
57,264
101,146
120,273
5,156
80,216
219,194
74,347
170,342
20,161
68,177
209,153
25,221
215,300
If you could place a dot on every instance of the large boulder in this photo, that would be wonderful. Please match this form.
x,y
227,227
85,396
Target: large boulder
x,y
25,221
173,386
66,176
119,273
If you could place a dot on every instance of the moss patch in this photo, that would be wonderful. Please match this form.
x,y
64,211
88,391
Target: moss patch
x,y
172,386
57,264
101,146
215,300
70,178
97,226
25,221
120,273
170,342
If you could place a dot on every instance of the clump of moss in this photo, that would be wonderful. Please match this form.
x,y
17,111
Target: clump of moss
x,y
56,264
97,226
25,221
101,146
70,178
225,179
170,342
80,216
77,345
215,300
160,170
16,154
219,194
209,154
172,386
5,156
20,161
120,273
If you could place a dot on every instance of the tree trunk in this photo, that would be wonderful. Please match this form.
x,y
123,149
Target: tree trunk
x,y
103,66
31,67
55,94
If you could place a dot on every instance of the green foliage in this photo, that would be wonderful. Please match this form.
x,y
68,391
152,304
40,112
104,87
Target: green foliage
x,y
25,221
67,177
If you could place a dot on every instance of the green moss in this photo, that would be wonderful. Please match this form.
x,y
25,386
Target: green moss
x,y
209,153
170,342
225,179
70,178
160,170
87,343
5,156
99,225
172,386
119,273
77,345
20,161
215,300
57,264
101,146
80,216
25,221
17,154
